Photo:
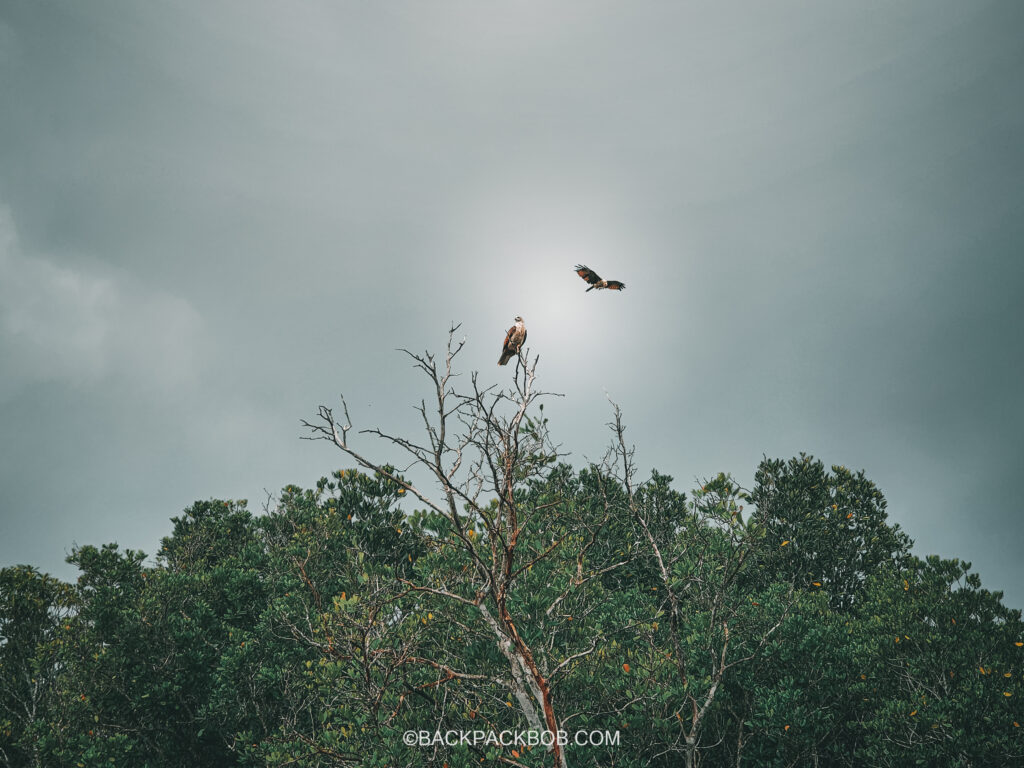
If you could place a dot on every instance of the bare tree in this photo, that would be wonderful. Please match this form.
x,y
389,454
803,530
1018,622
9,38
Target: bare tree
x,y
480,447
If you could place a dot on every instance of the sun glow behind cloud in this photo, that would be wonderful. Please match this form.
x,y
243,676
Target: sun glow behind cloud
x,y
522,239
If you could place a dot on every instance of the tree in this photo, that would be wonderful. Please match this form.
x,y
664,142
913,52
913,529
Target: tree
x,y
33,610
698,555
135,671
785,625
830,528
480,519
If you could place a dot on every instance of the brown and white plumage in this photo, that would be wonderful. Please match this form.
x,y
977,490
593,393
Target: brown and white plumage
x,y
514,340
595,279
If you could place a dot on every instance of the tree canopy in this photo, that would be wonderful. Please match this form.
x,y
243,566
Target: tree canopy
x,y
788,624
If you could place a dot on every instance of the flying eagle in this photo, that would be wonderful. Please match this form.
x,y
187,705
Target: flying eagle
x,y
514,340
595,279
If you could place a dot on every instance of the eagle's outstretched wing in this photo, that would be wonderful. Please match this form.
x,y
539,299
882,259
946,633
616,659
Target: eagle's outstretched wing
x,y
589,275
595,279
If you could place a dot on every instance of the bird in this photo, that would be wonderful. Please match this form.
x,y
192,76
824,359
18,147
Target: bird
x,y
595,279
514,340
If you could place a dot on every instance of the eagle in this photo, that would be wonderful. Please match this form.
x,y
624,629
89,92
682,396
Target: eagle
x,y
514,340
595,279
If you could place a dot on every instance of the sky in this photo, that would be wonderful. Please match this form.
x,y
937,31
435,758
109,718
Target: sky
x,y
215,217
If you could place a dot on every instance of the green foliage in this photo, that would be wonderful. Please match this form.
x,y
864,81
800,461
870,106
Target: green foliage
x,y
34,609
825,527
793,617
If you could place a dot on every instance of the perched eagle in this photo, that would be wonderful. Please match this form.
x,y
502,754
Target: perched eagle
x,y
514,340
595,279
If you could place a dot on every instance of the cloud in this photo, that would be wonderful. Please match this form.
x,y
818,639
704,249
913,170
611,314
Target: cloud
x,y
86,326
8,44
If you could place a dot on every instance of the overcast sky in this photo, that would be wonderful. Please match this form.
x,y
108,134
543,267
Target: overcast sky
x,y
215,216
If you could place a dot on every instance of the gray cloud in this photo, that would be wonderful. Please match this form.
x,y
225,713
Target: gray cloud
x,y
81,328
233,212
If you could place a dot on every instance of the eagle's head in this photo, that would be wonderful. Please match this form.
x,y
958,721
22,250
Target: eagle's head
x,y
518,319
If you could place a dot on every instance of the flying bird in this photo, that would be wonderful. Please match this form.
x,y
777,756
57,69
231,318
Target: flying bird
x,y
514,340
595,279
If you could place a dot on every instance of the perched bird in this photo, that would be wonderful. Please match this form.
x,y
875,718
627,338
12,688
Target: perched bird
x,y
595,279
514,340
